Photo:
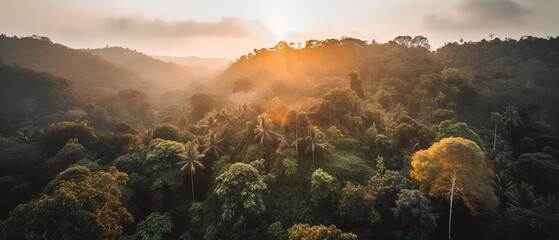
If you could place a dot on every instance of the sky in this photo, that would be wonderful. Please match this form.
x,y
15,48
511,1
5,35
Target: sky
x,y
232,28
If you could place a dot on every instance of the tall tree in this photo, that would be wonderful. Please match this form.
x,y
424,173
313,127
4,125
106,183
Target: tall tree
x,y
421,41
511,117
190,159
456,167
88,207
315,141
240,191
414,211
212,144
264,132
496,119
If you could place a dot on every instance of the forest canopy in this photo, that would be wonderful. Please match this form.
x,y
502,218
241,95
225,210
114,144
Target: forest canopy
x,y
329,139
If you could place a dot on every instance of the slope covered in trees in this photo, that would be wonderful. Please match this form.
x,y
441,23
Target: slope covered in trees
x,y
85,69
164,73
334,139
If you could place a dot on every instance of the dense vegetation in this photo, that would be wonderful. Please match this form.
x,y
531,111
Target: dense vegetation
x,y
339,139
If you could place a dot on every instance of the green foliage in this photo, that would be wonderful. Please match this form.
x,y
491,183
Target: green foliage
x,y
276,231
325,192
539,169
166,131
320,232
154,227
29,97
346,166
449,128
410,135
201,104
415,213
337,108
385,187
70,154
324,187
356,206
355,83
74,173
240,192
161,165
58,134
93,203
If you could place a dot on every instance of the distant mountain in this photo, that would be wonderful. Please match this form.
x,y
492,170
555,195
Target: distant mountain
x,y
146,66
208,64
85,69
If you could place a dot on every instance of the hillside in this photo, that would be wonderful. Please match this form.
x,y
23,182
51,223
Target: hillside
x,y
207,64
85,69
399,73
163,73
28,97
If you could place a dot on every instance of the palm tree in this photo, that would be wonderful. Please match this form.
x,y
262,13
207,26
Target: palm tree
x,y
264,130
511,117
503,185
315,141
212,144
522,196
496,119
210,123
287,147
190,160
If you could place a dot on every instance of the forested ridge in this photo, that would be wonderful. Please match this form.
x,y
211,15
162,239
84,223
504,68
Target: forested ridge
x,y
327,139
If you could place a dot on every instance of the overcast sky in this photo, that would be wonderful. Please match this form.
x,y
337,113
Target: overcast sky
x,y
231,28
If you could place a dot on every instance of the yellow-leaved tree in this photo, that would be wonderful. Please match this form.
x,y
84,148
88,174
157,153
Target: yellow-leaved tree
x,y
457,168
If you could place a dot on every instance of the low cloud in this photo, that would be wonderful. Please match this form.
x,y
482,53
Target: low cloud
x,y
138,25
476,14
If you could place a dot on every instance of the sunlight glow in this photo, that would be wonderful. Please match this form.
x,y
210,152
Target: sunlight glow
x,y
280,26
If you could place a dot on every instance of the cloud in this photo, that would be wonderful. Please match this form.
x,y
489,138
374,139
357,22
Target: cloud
x,y
475,14
138,25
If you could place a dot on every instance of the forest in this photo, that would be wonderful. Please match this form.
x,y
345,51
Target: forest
x,y
327,139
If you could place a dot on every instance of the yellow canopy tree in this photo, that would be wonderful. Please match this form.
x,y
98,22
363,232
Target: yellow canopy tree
x,y
457,168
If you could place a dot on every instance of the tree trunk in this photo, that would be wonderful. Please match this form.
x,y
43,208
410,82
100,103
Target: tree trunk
x,y
313,160
495,137
450,213
192,185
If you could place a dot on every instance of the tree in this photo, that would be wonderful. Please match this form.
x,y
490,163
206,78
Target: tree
x,y
314,139
264,132
355,83
511,117
496,119
356,205
190,159
155,226
160,164
325,192
414,211
240,191
212,144
385,186
540,170
166,131
57,135
420,41
320,232
449,128
70,154
456,167
88,208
